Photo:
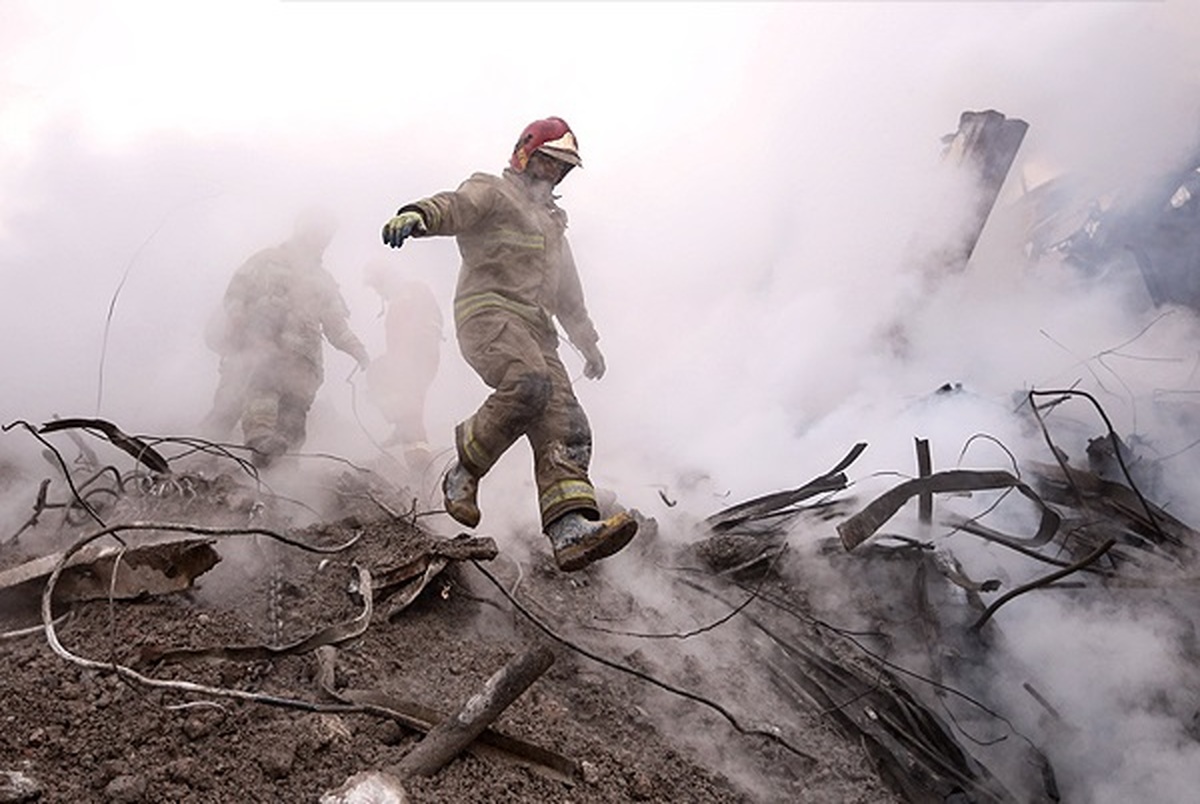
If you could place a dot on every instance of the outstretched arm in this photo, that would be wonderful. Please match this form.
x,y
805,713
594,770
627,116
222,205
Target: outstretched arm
x,y
445,213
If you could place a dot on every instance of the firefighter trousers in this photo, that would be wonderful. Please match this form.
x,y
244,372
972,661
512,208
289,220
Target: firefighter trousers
x,y
531,397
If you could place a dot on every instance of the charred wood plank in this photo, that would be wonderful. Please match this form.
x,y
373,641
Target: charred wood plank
x,y
491,743
449,738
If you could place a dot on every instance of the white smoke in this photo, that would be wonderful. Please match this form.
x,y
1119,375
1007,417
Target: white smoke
x,y
755,177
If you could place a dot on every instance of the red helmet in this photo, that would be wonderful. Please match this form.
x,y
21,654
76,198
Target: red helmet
x,y
551,136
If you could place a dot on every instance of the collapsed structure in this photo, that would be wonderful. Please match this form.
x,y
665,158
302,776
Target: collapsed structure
x,y
907,672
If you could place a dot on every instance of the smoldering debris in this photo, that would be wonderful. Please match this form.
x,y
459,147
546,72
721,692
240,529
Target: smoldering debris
x,y
450,736
819,668
1144,228
163,563
916,684
131,445
331,635
750,534
984,147
912,686
916,712
422,718
410,578
118,572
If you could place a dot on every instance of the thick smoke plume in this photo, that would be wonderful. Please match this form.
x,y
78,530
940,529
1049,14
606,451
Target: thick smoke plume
x,y
756,177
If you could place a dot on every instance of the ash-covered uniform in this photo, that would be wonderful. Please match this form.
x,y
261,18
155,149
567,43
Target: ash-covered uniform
x,y
278,307
398,381
518,275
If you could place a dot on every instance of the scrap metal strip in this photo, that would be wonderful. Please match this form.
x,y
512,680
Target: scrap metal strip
x,y
860,527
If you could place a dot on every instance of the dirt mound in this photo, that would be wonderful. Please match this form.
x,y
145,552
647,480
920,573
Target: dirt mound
x,y
219,696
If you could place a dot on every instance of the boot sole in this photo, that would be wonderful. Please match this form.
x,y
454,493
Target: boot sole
x,y
464,512
604,544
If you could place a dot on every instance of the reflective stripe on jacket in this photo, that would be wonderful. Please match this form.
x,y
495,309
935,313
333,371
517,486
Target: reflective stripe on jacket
x,y
514,251
467,306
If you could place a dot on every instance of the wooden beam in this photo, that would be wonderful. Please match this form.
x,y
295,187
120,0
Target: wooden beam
x,y
449,738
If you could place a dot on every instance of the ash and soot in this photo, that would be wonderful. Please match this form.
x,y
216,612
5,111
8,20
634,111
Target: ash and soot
x,y
899,311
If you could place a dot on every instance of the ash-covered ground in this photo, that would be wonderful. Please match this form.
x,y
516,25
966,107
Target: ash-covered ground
x,y
642,717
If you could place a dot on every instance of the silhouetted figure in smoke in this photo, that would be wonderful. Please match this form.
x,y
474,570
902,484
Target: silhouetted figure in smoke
x,y
517,276
277,308
398,380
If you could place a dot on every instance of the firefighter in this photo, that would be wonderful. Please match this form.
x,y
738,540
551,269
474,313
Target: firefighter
x,y
517,276
399,379
277,308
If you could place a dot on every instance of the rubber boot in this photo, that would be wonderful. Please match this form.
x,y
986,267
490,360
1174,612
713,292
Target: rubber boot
x,y
578,541
458,491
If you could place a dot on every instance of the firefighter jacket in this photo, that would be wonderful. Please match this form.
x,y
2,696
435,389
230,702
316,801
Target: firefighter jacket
x,y
280,304
515,255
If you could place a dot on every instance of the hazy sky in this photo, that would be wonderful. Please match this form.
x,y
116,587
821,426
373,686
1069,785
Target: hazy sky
x,y
755,175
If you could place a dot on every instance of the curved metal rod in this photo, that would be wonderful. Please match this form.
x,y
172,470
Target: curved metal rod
x,y
1051,578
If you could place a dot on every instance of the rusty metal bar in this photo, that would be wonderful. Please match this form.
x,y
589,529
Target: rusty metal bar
x,y
924,469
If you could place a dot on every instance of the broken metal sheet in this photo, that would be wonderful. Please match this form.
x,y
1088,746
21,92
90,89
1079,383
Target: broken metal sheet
x,y
150,569
986,143
833,480
914,750
860,527
749,534
1116,502
1147,226
409,579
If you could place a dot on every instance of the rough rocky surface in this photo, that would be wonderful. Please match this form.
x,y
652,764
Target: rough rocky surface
x,y
643,717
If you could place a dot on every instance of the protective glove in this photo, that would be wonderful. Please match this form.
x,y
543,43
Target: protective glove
x,y
593,367
361,362
361,358
402,225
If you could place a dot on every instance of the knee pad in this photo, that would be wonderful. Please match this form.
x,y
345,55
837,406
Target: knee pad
x,y
533,392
